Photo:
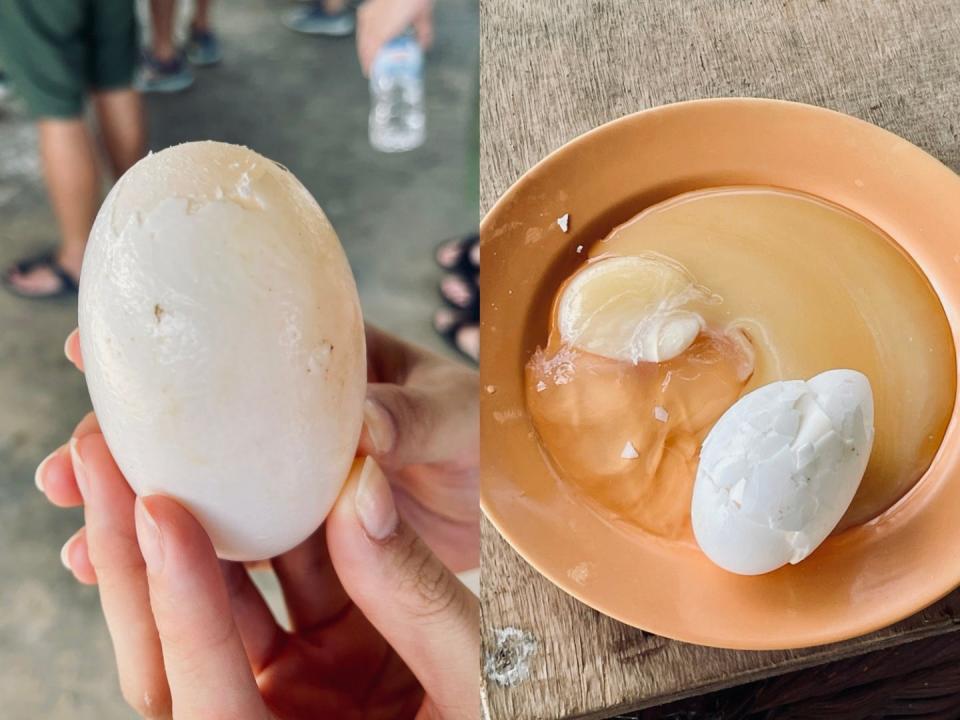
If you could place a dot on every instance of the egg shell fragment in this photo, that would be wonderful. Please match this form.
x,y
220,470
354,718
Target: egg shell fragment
x,y
223,344
780,468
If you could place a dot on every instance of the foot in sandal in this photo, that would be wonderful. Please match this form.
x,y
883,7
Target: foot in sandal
x,y
44,276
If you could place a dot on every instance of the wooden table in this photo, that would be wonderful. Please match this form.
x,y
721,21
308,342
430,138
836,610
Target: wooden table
x,y
553,69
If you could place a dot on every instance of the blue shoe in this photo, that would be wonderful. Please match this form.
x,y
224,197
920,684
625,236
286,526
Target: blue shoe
x,y
157,76
314,20
203,48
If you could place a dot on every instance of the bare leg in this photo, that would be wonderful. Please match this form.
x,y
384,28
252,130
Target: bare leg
x,y
201,16
70,171
161,29
122,127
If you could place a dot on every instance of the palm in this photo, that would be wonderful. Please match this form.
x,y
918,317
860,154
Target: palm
x,y
343,669
333,662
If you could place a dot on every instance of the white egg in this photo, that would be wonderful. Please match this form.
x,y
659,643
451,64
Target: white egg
x,y
780,468
223,344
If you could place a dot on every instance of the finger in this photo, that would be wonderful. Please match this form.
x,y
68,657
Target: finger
x,y
55,478
54,475
117,563
420,608
203,653
87,426
311,589
71,348
366,42
76,559
423,27
262,637
432,418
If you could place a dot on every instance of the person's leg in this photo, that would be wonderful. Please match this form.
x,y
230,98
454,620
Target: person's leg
x,y
69,164
203,47
201,16
164,68
122,127
161,30
46,54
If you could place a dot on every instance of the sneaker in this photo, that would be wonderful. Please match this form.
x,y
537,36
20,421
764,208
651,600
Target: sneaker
x,y
314,20
156,76
203,48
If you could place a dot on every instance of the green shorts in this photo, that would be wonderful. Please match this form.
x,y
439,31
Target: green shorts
x,y
57,51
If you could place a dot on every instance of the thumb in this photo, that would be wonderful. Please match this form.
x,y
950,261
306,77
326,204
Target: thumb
x,y
428,616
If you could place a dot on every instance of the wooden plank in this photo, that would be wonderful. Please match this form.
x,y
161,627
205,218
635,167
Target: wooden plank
x,y
553,69
584,665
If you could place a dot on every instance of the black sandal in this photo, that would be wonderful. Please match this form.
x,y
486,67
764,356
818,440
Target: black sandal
x,y
68,286
463,263
448,324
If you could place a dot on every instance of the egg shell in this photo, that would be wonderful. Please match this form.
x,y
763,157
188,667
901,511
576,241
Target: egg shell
x,y
780,468
223,344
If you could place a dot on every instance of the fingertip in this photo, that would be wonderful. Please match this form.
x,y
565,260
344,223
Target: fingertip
x,y
87,426
55,479
374,504
345,500
71,348
172,536
379,433
75,556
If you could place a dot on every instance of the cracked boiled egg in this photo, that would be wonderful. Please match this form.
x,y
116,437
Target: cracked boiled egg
x,y
223,344
631,308
780,468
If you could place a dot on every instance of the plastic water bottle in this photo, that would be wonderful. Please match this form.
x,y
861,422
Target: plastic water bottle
x,y
397,118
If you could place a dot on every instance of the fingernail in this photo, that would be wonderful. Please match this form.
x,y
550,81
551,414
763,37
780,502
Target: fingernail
x,y
378,426
149,537
65,553
66,346
38,475
374,502
79,469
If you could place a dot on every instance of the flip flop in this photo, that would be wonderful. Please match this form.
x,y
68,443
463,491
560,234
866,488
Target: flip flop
x,y
448,324
68,286
471,305
461,249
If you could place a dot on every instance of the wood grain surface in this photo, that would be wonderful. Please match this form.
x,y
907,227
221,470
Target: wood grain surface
x,y
553,69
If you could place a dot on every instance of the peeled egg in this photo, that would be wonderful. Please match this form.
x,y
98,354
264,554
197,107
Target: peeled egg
x,y
223,344
779,469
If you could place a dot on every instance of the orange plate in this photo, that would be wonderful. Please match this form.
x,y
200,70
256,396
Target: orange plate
x,y
857,581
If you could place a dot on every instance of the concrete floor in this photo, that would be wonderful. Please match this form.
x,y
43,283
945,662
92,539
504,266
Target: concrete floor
x,y
302,102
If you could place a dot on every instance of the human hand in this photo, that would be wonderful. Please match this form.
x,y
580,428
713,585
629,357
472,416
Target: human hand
x,y
421,423
193,638
379,21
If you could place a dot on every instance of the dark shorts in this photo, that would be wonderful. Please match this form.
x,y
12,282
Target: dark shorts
x,y
57,51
